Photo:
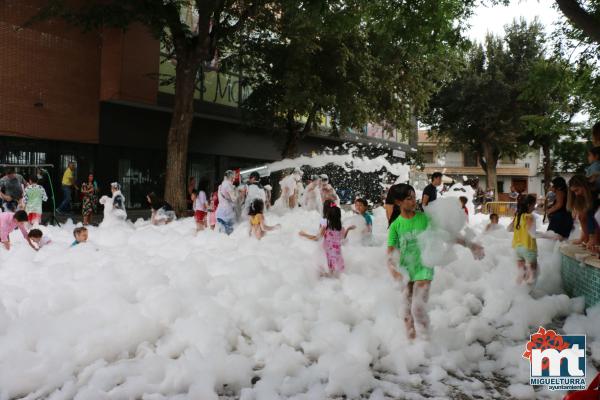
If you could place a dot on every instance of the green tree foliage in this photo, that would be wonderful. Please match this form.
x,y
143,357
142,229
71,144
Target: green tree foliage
x,y
584,19
481,108
569,152
356,62
553,92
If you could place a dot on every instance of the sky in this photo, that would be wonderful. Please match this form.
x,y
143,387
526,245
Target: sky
x,y
493,19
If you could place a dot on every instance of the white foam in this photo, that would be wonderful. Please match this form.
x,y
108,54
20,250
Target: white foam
x,y
157,312
349,162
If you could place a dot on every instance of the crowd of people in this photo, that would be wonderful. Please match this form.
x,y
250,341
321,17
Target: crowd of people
x,y
234,204
227,205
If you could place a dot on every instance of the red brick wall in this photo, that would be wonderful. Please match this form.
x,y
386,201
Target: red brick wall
x,y
139,78
50,63
130,62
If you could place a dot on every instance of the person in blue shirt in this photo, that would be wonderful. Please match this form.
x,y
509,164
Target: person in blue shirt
x,y
81,235
362,207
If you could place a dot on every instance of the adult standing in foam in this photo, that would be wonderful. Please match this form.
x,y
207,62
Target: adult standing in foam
x,y
254,191
89,191
311,198
11,189
289,189
430,191
327,191
561,220
227,197
68,184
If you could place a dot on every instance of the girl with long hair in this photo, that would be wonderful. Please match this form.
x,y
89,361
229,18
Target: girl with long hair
x,y
524,243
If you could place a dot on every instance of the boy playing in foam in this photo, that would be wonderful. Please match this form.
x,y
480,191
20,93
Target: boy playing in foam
x,y
361,206
80,234
493,225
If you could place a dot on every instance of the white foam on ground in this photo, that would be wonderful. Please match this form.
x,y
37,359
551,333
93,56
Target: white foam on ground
x,y
156,312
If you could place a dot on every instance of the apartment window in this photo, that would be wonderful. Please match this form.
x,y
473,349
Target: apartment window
x,y
500,187
428,157
65,159
23,157
136,181
508,160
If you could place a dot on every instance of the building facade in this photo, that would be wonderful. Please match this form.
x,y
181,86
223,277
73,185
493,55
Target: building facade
x,y
522,174
96,99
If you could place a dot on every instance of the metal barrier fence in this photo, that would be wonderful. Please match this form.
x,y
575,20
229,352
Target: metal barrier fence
x,y
502,208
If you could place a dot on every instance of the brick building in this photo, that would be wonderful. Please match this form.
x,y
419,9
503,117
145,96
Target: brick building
x,y
95,98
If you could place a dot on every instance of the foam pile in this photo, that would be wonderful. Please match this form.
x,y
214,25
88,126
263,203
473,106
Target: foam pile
x,y
155,312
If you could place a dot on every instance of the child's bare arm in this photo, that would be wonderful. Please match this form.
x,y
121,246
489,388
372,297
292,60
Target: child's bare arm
x,y
266,227
476,249
347,230
511,226
390,263
313,237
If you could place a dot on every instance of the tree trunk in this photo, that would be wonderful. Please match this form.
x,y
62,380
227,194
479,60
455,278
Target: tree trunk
x,y
179,131
290,147
491,162
580,18
547,167
310,121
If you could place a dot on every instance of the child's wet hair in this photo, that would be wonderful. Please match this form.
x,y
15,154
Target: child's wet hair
x,y
401,191
256,207
464,200
362,201
525,202
494,216
35,233
79,230
327,205
334,218
20,216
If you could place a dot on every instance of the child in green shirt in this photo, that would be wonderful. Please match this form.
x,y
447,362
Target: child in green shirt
x,y
403,236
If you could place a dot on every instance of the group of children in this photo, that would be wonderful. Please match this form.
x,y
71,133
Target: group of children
x,y
404,229
406,223
35,238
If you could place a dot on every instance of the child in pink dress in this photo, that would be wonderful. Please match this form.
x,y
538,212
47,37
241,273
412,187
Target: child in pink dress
x,y
332,233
